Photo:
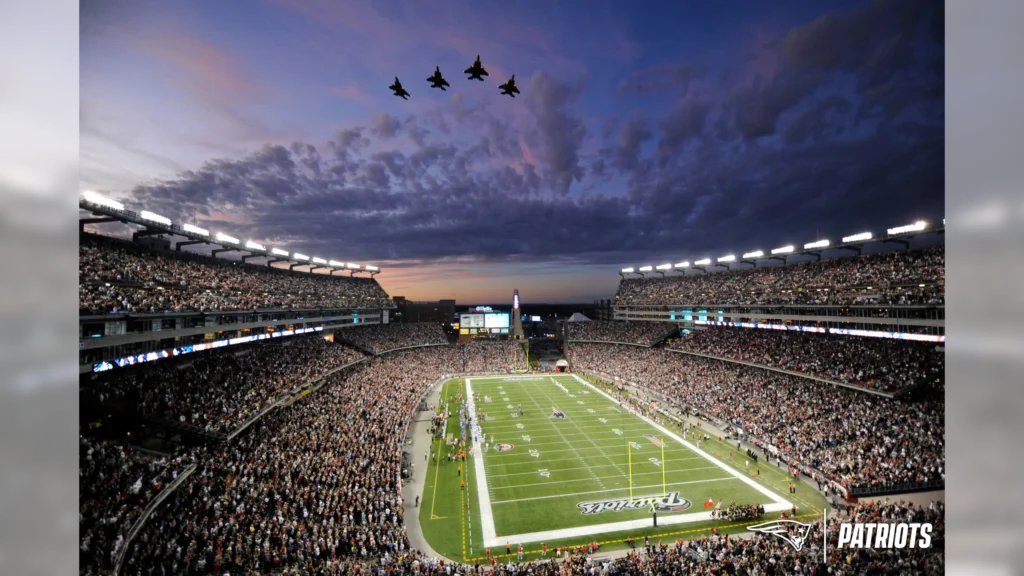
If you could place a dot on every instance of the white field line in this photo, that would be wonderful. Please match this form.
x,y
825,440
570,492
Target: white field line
x,y
546,462
482,493
624,488
679,449
573,448
553,470
577,480
601,450
570,449
740,475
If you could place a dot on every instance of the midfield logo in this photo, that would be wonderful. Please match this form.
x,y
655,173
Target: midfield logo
x,y
670,503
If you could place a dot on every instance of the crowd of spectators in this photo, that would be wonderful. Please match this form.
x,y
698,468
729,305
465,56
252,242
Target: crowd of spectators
x,y
120,276
851,437
115,484
642,333
314,488
901,277
877,363
377,338
491,356
215,393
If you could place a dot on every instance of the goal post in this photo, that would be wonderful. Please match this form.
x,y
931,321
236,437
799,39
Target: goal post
x,y
629,456
661,464
664,465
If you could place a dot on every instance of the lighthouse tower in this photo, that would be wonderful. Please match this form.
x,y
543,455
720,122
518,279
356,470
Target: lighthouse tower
x,y
517,317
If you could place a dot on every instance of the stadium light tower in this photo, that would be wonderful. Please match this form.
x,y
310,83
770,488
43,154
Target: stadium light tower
x,y
517,317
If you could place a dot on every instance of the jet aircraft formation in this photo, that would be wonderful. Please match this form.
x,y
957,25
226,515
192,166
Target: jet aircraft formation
x,y
475,72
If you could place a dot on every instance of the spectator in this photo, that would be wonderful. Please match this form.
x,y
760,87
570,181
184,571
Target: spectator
x,y
890,278
115,484
642,333
378,338
215,393
119,276
856,439
877,363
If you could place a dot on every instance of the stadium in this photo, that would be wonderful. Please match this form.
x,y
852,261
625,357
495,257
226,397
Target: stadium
x,y
541,334
709,402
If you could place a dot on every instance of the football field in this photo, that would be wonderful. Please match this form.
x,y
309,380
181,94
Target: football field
x,y
574,464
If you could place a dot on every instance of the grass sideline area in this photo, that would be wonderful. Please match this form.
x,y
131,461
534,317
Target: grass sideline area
x,y
556,480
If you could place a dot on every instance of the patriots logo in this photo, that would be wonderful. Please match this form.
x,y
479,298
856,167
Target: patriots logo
x,y
789,530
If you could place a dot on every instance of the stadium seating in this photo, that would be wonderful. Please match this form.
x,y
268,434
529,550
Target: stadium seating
x,y
856,439
480,356
901,277
215,393
876,363
115,483
640,333
119,276
378,338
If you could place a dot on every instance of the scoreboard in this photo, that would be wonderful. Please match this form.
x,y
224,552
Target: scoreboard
x,y
471,321
492,323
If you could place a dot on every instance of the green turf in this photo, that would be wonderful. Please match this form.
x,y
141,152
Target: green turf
x,y
579,459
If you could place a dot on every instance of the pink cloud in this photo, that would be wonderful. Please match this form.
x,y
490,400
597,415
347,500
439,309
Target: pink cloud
x,y
352,92
207,71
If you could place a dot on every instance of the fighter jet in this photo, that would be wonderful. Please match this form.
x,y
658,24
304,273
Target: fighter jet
x,y
476,71
436,80
509,88
398,90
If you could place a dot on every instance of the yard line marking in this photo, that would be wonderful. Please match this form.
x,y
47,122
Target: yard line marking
x,y
616,437
578,456
553,470
591,441
550,496
577,480
547,462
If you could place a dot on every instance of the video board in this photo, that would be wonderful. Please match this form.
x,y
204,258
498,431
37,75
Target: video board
x,y
496,320
471,321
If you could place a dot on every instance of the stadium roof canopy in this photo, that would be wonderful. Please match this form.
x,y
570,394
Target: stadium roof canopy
x,y
852,243
107,210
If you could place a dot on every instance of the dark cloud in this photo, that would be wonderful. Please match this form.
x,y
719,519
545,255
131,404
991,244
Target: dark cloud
x,y
874,45
387,126
845,133
561,130
661,78
817,123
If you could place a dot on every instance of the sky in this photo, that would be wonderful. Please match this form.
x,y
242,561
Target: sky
x,y
644,134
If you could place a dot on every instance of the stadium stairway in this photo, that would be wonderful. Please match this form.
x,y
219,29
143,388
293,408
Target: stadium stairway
x,y
414,485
